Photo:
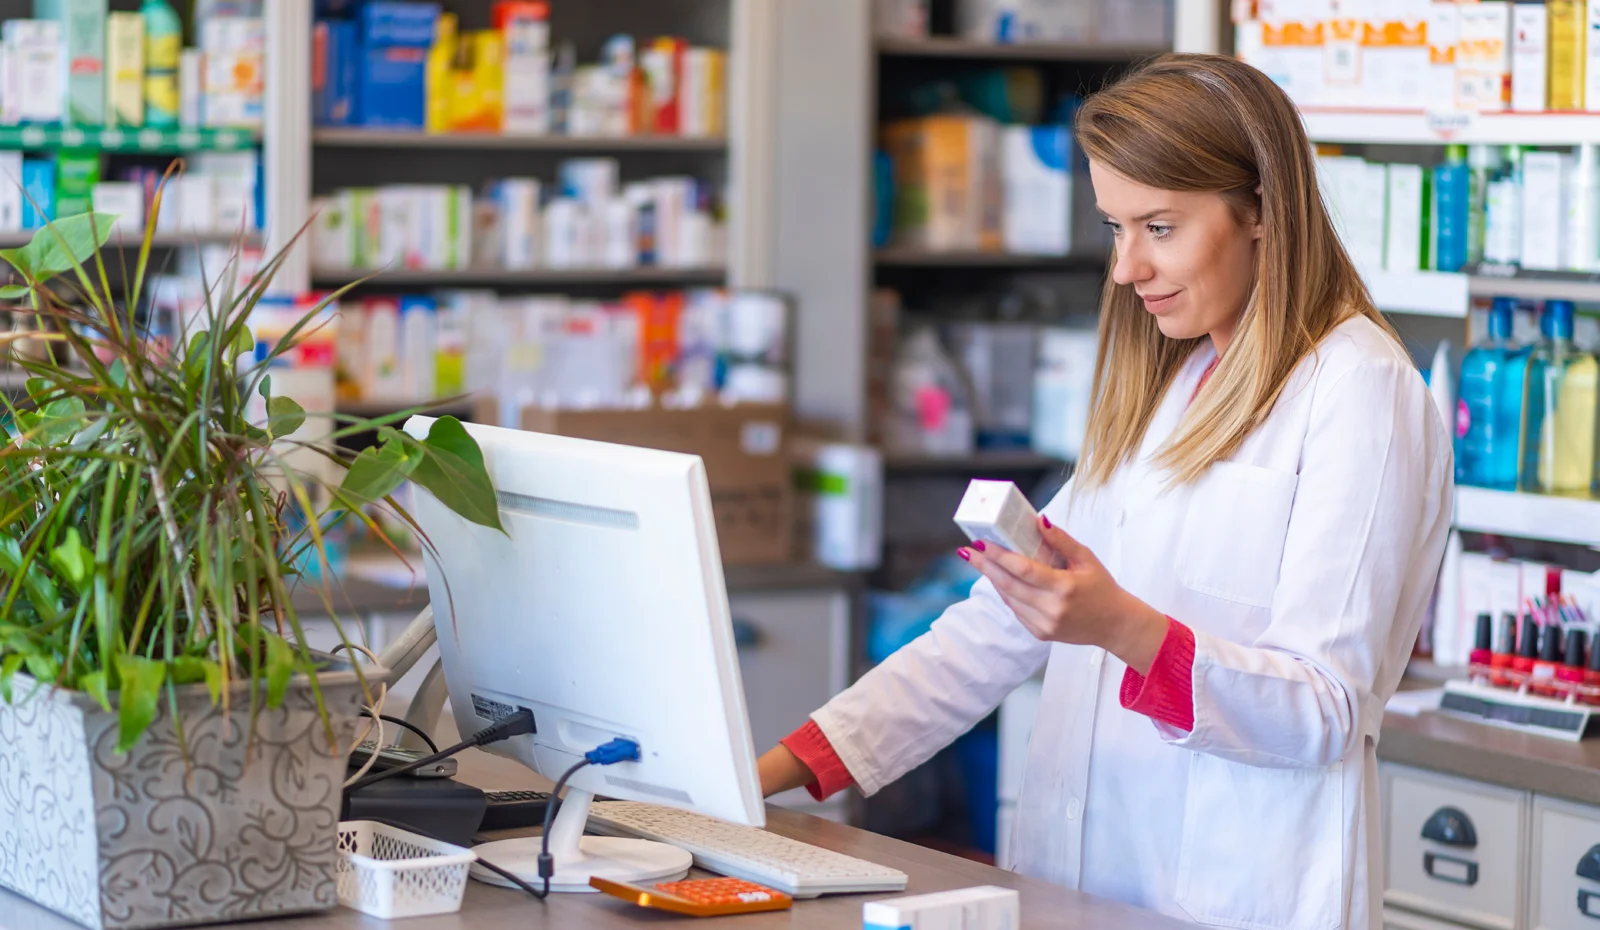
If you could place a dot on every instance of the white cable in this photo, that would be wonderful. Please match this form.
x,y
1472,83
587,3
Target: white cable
x,y
376,711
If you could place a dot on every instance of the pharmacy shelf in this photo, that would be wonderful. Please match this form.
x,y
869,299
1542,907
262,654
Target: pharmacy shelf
x,y
1377,127
1425,293
1529,516
529,277
949,47
154,141
402,139
129,242
929,258
988,461
1498,281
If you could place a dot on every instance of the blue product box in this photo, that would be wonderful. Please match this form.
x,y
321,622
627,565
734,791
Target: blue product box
x,y
334,73
39,184
391,88
387,22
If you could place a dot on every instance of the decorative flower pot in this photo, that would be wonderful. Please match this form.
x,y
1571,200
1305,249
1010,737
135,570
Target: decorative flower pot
x,y
216,827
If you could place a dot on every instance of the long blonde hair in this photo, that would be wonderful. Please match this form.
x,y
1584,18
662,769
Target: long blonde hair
x,y
1213,124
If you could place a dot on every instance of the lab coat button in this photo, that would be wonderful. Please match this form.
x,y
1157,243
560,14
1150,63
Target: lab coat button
x,y
1074,807
1094,660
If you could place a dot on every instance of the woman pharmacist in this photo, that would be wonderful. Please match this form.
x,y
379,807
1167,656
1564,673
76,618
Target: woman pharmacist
x,y
1250,542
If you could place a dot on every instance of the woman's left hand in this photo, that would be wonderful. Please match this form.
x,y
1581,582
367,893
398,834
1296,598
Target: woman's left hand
x,y
1080,604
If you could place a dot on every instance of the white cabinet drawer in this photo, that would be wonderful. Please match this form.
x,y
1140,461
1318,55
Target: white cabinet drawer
x,y
1454,848
1560,898
794,649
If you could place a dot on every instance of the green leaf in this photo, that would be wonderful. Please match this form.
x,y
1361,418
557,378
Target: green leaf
x,y
8,671
265,388
243,343
43,668
73,560
13,291
280,665
377,471
452,470
94,685
141,688
61,246
284,416
188,670
36,583
119,373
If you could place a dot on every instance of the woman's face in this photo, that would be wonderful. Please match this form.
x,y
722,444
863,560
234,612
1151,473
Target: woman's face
x,y
1184,253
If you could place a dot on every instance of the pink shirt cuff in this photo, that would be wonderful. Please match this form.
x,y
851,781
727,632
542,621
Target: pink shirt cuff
x,y
1167,693
816,753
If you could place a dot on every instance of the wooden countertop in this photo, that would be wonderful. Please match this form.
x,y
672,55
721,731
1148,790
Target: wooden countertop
x,y
1493,754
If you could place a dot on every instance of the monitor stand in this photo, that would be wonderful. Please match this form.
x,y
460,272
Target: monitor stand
x,y
578,857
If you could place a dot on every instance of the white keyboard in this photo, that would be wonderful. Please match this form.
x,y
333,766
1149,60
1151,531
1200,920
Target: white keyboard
x,y
795,868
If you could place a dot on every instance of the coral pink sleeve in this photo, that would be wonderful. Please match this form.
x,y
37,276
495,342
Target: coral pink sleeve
x,y
1167,693
815,752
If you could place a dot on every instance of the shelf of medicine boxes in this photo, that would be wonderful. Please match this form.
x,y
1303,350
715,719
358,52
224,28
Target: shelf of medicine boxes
x,y
49,138
1425,293
523,277
1381,127
1528,516
979,463
951,47
402,139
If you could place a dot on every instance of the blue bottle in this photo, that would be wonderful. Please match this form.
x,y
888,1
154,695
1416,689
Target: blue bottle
x,y
1489,405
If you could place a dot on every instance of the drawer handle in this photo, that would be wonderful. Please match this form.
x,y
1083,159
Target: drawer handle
x,y
1456,871
1586,906
745,634
1452,827
1589,865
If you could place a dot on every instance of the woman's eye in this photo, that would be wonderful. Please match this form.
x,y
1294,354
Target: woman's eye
x,y
1116,228
1159,231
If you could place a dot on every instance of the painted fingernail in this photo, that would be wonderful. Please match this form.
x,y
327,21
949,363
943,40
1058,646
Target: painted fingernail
x,y
1046,521
978,545
965,555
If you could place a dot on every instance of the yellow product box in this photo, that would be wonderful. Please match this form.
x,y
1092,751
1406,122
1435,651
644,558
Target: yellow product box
x,y
704,76
439,75
478,82
1567,53
125,69
947,186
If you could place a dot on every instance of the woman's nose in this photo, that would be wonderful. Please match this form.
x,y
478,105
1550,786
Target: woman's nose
x,y
1129,265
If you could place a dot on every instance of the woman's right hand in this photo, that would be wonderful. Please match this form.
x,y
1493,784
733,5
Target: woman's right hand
x,y
781,770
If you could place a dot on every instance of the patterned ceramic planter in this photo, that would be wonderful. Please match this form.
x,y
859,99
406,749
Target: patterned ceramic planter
x,y
240,829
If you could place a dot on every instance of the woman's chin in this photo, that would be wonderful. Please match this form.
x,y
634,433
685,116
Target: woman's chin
x,y
1177,327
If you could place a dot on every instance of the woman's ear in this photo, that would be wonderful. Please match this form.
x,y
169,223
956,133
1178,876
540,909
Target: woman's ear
x,y
1261,211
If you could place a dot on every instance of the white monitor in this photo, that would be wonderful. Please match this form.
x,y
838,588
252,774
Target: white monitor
x,y
602,608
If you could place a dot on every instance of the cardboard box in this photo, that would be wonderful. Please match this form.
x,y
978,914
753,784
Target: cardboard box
x,y
947,191
743,449
125,70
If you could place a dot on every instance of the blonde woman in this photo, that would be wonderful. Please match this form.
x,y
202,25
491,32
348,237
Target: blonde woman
x,y
1249,545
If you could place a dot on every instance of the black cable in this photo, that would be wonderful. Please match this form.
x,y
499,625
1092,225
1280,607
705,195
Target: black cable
x,y
517,724
480,861
432,746
547,865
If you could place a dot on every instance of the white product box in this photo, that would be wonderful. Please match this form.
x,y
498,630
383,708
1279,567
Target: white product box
x,y
674,198
985,907
234,188
1403,235
844,484
36,84
621,235
1530,57
1036,168
195,208
517,202
124,199
11,201
330,232
996,512
191,88
418,342
1544,211
1063,388
590,181
1444,33
383,378
562,236
1343,55
1483,56
1395,74
527,77
233,77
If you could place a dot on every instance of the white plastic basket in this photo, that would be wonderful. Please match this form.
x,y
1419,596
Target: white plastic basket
x,y
388,872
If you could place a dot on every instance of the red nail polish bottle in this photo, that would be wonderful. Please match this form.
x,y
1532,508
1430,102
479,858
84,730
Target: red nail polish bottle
x,y
1527,648
1591,671
1482,643
1544,667
1505,650
1571,670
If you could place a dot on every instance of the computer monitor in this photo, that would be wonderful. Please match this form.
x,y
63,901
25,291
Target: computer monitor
x,y
602,608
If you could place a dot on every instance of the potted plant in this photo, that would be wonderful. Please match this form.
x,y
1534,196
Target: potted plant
x,y
171,752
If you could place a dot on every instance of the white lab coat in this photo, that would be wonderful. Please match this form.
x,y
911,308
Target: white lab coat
x,y
1304,566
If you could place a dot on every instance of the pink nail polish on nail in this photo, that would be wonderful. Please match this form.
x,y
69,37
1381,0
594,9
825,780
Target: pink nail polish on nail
x,y
1046,521
965,555
978,545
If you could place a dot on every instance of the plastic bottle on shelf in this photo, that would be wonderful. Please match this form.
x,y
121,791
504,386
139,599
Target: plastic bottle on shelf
x,y
1450,210
1482,161
1559,407
932,405
163,46
1489,406
1502,235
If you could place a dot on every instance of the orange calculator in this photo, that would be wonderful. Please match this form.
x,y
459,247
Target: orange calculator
x,y
700,897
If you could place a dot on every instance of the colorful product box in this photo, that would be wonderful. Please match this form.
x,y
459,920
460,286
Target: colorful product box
x,y
82,66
